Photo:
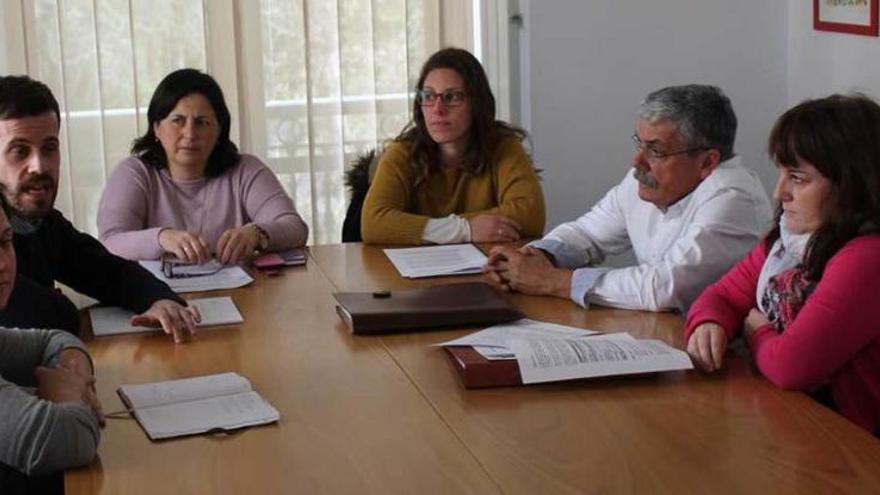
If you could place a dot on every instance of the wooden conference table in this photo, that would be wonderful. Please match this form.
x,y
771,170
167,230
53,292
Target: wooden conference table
x,y
388,414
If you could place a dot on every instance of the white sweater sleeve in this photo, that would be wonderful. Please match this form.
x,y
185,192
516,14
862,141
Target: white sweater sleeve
x,y
447,230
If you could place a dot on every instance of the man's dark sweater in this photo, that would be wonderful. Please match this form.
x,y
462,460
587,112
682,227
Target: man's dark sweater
x,y
56,251
33,306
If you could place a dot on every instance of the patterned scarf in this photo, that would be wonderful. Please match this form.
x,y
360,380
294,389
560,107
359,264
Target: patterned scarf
x,y
783,286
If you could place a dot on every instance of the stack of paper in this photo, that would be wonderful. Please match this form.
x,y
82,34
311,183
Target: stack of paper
x,y
546,352
215,311
432,261
491,343
228,277
548,360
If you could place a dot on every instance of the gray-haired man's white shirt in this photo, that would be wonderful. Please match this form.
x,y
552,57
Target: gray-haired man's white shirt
x,y
679,251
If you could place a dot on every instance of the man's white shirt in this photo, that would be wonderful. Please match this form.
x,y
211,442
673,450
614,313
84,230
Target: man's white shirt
x,y
679,251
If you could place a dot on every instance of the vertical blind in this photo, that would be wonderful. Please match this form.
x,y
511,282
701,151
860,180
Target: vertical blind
x,y
309,83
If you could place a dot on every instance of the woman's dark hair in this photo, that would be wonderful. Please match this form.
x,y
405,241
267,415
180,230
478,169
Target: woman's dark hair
x,y
485,132
839,136
180,84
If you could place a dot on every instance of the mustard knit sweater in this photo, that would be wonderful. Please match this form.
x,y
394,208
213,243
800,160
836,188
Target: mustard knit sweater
x,y
395,212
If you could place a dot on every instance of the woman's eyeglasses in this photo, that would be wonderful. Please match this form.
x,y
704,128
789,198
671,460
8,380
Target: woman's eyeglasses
x,y
450,98
173,267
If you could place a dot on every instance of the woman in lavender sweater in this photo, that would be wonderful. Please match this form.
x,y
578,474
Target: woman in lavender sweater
x,y
187,191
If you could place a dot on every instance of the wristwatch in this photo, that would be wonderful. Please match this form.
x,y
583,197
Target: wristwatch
x,y
263,241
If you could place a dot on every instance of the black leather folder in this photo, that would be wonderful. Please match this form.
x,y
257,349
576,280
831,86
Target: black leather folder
x,y
449,305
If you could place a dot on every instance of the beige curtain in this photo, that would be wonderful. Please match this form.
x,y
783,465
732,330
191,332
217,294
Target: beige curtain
x,y
310,83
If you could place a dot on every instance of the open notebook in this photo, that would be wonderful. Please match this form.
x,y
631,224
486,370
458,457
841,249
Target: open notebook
x,y
203,404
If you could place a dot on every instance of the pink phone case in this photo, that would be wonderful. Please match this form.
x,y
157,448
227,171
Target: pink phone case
x,y
284,258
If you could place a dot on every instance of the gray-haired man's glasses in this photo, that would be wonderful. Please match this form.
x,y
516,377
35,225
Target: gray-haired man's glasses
x,y
655,155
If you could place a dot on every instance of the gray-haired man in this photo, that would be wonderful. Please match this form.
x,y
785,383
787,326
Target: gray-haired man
x,y
688,210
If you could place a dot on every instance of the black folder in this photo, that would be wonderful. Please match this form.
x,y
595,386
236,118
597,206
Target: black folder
x,y
439,306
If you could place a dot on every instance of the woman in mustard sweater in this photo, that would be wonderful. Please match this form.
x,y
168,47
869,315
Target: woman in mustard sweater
x,y
455,174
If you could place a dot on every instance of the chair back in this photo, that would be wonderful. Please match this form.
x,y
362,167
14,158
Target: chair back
x,y
357,180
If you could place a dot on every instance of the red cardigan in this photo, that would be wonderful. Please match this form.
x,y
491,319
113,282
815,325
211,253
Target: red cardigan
x,y
834,339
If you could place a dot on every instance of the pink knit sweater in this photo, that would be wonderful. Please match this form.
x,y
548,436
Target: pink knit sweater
x,y
140,200
834,339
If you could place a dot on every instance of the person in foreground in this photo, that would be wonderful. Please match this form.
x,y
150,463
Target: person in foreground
x,y
804,299
57,428
188,191
33,306
49,248
455,174
688,209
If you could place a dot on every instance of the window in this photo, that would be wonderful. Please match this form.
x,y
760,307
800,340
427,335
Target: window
x,y
309,83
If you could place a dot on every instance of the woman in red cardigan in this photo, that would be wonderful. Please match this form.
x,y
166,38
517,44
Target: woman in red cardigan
x,y
805,298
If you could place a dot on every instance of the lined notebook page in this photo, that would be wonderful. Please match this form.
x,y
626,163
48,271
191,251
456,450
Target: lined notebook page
x,y
218,413
197,405
187,389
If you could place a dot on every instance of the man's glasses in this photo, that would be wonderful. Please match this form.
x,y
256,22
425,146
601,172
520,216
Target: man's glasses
x,y
450,97
656,156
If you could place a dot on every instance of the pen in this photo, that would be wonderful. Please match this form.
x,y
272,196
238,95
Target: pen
x,y
120,414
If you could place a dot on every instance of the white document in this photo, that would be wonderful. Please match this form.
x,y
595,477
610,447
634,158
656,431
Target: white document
x,y
215,311
432,261
548,360
491,343
502,352
219,402
228,277
499,335
494,352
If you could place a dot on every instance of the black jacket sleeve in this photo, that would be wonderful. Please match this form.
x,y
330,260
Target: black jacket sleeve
x,y
34,306
79,261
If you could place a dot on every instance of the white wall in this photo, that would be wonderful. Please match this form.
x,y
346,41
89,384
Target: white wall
x,y
821,63
591,62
